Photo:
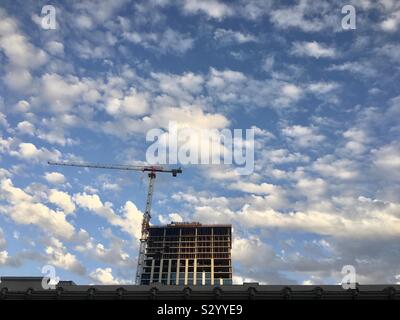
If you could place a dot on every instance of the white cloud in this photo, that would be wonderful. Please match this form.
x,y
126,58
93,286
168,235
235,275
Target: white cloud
x,y
357,140
113,255
221,173
19,51
322,87
59,93
212,8
3,257
18,79
303,136
169,41
104,276
312,188
3,242
271,195
58,256
230,36
28,151
358,220
55,177
23,209
307,16
338,168
250,252
22,106
133,104
130,221
268,63
84,22
233,87
282,156
174,41
62,200
3,121
26,127
387,159
291,91
313,49
356,67
391,50
191,117
172,217
55,48
263,188
391,23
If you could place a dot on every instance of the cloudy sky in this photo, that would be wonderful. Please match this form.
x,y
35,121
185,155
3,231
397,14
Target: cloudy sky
x,y
324,103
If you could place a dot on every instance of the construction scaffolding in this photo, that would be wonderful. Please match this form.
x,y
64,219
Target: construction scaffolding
x,y
188,254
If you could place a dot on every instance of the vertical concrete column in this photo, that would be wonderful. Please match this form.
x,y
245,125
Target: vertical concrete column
x,y
212,256
212,271
152,270
194,271
186,271
203,278
195,259
178,262
161,268
169,271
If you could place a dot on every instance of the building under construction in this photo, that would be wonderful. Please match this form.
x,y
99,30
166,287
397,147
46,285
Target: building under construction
x,y
188,254
178,253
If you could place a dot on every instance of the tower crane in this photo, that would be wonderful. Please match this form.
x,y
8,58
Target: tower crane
x,y
152,171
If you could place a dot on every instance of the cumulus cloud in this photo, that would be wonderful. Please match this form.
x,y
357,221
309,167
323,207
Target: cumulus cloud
x,y
212,8
338,168
366,220
3,242
172,217
23,209
57,255
28,151
104,276
313,49
303,136
169,41
115,254
230,36
59,92
55,48
17,48
130,221
26,127
307,16
358,68
387,159
391,23
63,200
54,177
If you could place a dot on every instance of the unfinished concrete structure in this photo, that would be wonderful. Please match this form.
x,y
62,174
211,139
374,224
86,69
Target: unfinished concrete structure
x,y
188,254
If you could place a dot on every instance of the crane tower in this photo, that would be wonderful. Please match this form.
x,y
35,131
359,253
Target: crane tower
x,y
152,171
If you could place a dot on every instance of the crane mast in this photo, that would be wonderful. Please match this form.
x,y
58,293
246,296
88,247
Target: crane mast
x,y
145,228
147,213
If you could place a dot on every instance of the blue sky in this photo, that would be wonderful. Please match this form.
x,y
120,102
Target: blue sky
x,y
324,103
